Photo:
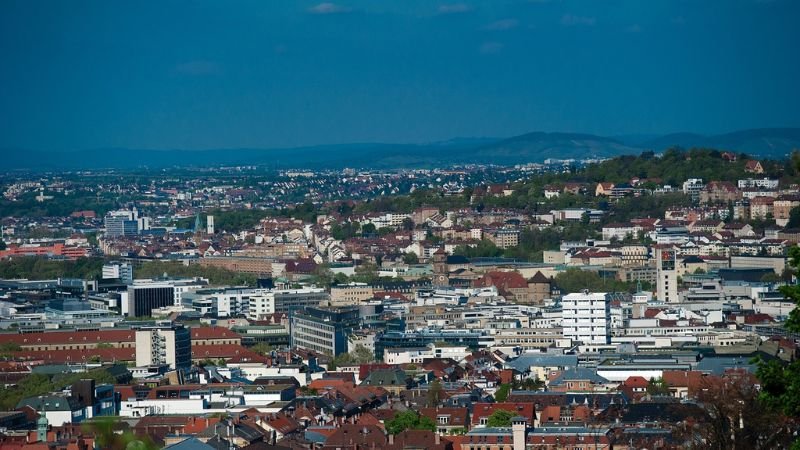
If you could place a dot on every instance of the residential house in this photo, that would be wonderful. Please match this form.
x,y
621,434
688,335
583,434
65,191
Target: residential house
x,y
761,208
448,420
603,189
754,166
719,192
782,208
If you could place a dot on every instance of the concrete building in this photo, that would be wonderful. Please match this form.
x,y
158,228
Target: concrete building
x,y
285,301
143,299
210,224
324,330
350,294
666,275
229,302
164,344
118,270
587,317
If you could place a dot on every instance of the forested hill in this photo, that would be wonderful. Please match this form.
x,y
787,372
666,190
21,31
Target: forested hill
x,y
672,167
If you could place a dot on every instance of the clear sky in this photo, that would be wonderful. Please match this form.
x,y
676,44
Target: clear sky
x,y
271,73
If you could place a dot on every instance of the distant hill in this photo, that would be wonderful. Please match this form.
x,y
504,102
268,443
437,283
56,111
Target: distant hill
x,y
529,147
767,142
539,146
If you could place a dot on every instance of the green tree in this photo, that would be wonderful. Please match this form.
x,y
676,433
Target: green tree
x,y
368,229
794,218
484,248
359,355
575,280
9,347
409,420
410,258
109,435
500,418
657,387
435,393
528,384
780,382
366,273
262,348
502,392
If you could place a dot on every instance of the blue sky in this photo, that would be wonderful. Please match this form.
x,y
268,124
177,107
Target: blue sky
x,y
274,73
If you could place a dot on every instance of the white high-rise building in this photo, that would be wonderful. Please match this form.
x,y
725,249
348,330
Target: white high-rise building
x,y
164,344
666,275
587,317
210,224
118,270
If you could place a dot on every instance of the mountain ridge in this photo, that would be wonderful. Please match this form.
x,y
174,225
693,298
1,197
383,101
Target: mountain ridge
x,y
528,147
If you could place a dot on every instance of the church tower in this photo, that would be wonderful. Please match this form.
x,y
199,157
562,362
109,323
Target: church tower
x,y
440,271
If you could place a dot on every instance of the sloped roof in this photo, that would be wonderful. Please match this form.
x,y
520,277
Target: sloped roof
x,y
190,444
578,373
539,278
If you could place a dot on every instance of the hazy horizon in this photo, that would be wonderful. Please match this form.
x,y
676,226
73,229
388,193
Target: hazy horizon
x,y
209,75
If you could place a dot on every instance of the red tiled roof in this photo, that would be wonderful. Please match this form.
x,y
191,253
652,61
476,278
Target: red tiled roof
x,y
480,410
66,356
683,378
71,337
199,333
505,280
231,352
636,381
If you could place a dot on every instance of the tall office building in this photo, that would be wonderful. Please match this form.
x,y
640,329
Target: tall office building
x,y
164,344
666,275
324,330
586,317
124,222
143,299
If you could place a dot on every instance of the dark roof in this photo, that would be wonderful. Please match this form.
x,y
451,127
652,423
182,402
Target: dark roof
x,y
539,278
457,259
660,412
578,373
190,444
753,275
386,377
693,259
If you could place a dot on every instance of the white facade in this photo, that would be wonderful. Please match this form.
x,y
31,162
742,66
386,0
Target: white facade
x,y
763,183
163,345
667,275
587,317
210,224
285,301
251,371
118,270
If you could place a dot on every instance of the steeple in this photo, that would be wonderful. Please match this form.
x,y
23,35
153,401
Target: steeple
x,y
41,427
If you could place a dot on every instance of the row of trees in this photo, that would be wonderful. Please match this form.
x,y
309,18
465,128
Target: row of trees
x,y
38,268
38,384
215,275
